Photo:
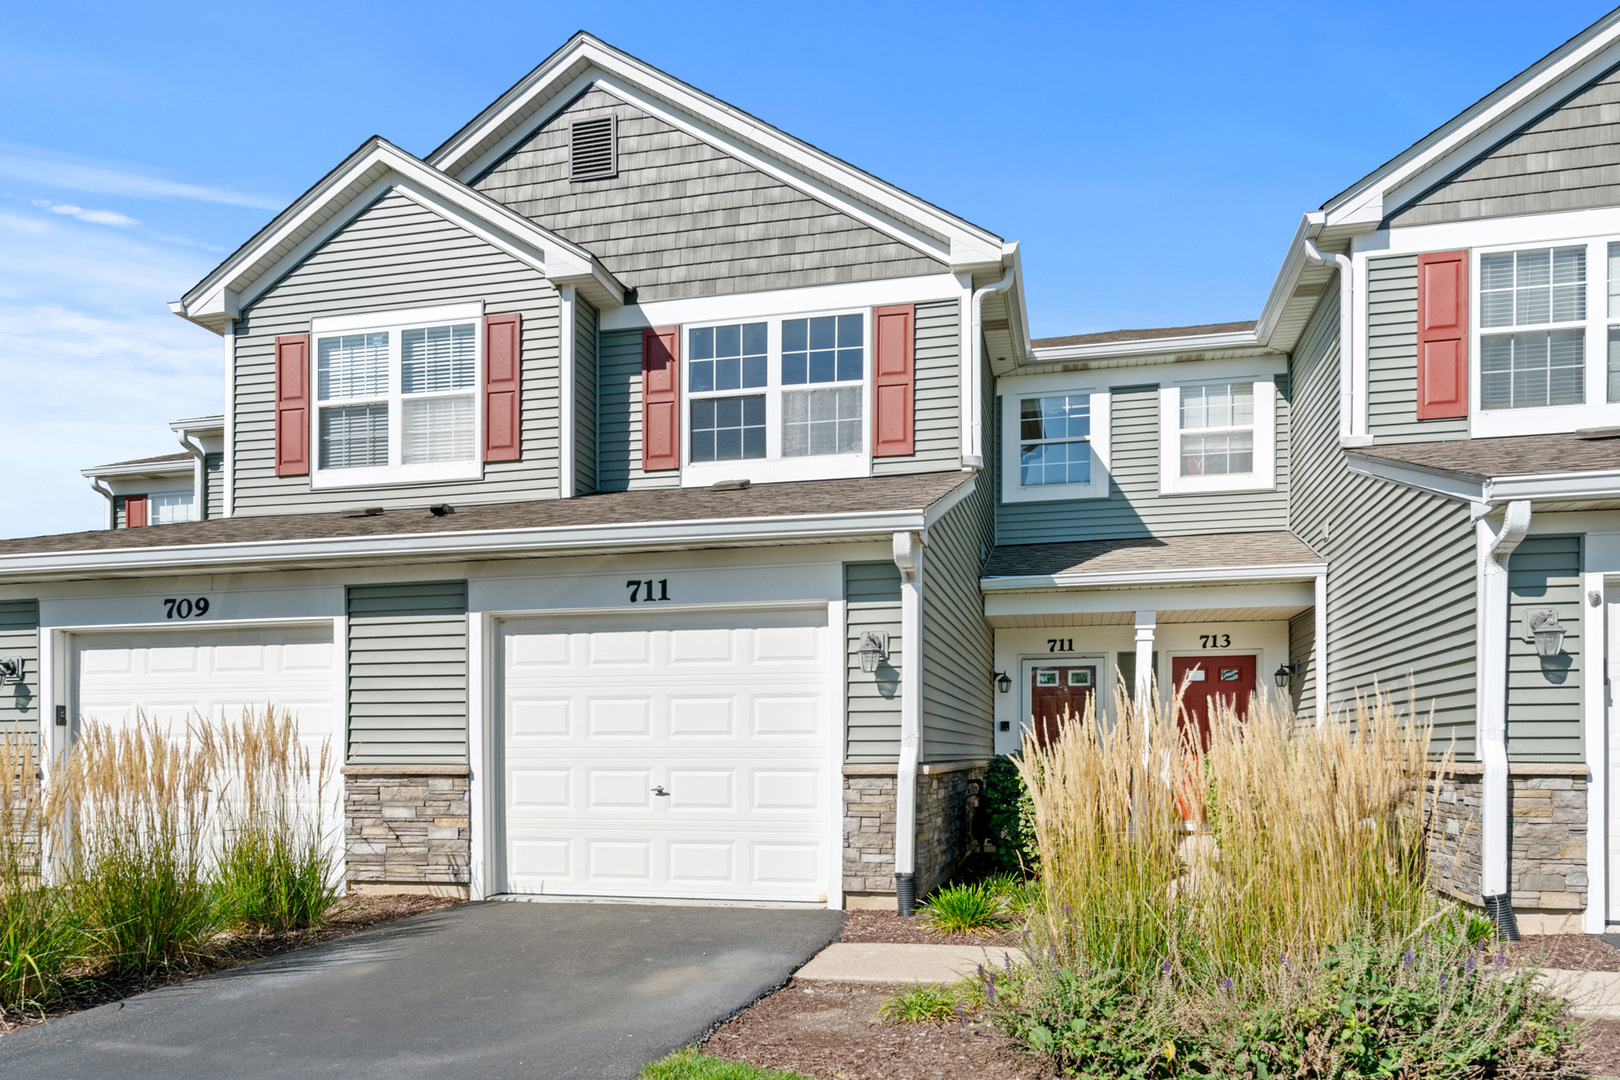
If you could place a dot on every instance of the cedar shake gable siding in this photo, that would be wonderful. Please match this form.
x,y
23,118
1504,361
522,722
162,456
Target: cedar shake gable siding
x,y
683,218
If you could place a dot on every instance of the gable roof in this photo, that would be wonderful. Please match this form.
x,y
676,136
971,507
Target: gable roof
x,y
585,59
377,167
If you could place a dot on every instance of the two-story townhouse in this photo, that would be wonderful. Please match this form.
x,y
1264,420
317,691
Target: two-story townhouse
x,y
168,488
606,487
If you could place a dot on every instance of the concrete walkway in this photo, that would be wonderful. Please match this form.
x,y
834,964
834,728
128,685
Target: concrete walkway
x,y
520,991
865,962
1592,995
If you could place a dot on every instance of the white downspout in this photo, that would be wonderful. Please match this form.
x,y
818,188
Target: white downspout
x,y
1493,548
107,493
566,465
199,471
228,474
908,556
972,378
1347,338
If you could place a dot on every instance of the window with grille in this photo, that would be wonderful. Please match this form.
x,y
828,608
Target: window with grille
x,y
168,509
1543,288
593,152
1054,440
1217,429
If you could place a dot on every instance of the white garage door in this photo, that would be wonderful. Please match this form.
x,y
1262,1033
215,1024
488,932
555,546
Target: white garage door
x,y
683,756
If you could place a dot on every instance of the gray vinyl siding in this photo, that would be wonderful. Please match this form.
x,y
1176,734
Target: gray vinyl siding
x,y
872,700
120,513
1134,506
396,254
958,643
1392,357
684,218
937,354
1302,654
407,667
618,423
1544,696
213,486
1400,586
585,327
1568,158
19,636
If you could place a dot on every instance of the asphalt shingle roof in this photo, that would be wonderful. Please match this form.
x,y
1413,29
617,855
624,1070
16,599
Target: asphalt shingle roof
x,y
1147,553
1518,455
1109,336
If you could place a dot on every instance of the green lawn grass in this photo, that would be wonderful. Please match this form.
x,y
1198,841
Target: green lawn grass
x,y
688,1064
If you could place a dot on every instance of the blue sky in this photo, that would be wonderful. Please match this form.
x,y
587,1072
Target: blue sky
x,y
1153,159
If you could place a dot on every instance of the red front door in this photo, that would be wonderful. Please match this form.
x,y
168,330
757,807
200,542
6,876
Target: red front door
x,y
1230,679
1059,693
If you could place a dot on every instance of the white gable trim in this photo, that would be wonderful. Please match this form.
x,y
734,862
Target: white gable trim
x,y
546,90
374,170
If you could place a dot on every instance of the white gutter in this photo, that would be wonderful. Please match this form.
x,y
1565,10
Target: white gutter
x,y
1348,436
1148,347
106,492
1204,576
972,380
908,556
153,469
1494,548
199,506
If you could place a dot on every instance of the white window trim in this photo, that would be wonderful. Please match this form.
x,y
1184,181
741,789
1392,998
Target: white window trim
x,y
396,471
773,467
183,493
1013,391
1596,411
1264,476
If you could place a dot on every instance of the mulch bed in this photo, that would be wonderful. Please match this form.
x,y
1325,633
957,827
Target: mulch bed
x,y
888,927
351,915
1570,952
830,1031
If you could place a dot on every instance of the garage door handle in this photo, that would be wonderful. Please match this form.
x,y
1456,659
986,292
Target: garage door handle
x,y
659,790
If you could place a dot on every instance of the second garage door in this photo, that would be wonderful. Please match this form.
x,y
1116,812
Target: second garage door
x,y
682,756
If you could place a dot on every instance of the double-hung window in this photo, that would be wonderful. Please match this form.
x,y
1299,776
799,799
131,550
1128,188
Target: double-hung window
x,y
1054,439
789,395
397,401
170,508
1218,431
1532,315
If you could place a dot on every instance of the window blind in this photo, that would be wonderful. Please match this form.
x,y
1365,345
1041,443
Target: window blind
x,y
352,366
438,429
438,358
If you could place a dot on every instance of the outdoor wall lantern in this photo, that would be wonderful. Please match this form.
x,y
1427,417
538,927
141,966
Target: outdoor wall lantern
x,y
1002,681
11,668
1284,673
874,649
1542,627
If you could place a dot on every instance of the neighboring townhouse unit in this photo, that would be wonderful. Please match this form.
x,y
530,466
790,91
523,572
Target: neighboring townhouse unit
x,y
649,504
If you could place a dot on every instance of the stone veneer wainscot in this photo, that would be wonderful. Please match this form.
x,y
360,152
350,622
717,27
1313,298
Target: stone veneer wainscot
x,y
407,828
943,808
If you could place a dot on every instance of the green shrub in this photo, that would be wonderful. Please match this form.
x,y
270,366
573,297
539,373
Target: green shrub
x,y
963,909
689,1064
1102,1024
270,880
1011,818
39,939
923,1003
1019,896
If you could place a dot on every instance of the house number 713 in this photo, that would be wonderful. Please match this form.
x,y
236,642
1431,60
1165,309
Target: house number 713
x,y
642,592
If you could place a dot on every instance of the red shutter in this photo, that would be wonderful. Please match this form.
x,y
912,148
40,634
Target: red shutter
x,y
1442,335
660,398
894,381
292,405
134,511
503,387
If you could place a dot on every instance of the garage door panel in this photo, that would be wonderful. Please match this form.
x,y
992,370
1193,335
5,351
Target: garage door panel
x,y
727,712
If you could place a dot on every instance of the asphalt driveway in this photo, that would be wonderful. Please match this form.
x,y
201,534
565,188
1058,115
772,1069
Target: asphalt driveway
x,y
552,991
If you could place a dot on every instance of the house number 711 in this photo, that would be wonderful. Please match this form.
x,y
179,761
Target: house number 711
x,y
642,592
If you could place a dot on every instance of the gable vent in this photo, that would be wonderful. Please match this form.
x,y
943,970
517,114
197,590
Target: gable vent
x,y
593,152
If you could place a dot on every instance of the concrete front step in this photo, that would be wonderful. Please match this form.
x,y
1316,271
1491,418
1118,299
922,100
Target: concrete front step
x,y
871,962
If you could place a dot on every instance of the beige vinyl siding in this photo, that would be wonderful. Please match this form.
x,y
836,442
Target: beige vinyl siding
x,y
1544,710
407,668
1302,654
213,486
872,700
1400,583
937,353
1392,357
395,254
618,418
1134,506
684,218
19,636
1568,158
585,327
958,643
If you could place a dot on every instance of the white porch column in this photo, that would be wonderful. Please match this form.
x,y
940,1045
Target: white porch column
x,y
1595,667
1145,623
1321,649
1493,548
908,556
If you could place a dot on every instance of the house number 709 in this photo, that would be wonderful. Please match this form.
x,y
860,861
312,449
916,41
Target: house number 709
x,y
185,608
642,592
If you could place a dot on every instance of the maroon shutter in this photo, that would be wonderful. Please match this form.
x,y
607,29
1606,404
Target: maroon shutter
x,y
134,511
660,398
292,405
503,387
894,380
1442,335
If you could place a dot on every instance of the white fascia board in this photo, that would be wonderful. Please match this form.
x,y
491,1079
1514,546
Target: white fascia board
x,y
539,97
1212,575
769,303
197,425
150,468
482,543
1295,593
1469,489
1597,484
1282,290
940,507
1149,348
374,169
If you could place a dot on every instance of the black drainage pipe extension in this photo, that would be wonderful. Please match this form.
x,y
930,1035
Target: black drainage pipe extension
x,y
1500,910
905,893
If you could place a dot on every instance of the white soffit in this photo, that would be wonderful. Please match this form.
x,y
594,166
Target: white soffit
x,y
584,59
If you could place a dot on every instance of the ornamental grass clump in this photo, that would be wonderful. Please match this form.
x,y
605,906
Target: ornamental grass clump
x,y
38,937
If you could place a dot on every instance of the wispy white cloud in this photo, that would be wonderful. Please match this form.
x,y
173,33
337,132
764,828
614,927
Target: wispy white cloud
x,y
94,217
38,166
